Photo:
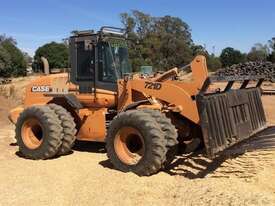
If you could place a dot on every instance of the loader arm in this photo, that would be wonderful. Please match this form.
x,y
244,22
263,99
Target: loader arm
x,y
178,94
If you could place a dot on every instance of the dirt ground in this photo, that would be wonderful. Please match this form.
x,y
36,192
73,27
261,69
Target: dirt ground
x,y
244,175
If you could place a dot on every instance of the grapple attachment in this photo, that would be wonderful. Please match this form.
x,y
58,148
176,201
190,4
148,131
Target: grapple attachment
x,y
232,115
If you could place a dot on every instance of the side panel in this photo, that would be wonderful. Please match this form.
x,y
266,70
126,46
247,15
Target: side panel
x,y
230,117
93,126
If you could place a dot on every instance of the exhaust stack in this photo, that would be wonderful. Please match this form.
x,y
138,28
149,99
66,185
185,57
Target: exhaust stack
x,y
45,65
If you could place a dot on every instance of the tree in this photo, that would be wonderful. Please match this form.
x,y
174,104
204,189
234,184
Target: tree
x,y
272,57
144,23
175,44
272,43
272,48
213,62
12,61
27,57
128,22
164,42
230,56
5,61
134,45
10,39
258,52
56,54
18,63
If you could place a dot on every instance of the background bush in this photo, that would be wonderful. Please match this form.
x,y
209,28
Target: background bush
x,y
57,54
12,60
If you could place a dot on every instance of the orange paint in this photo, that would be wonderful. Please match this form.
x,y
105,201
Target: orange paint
x,y
161,91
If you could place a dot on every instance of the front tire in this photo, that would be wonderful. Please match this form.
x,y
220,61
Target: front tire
x,y
170,132
135,142
69,130
38,133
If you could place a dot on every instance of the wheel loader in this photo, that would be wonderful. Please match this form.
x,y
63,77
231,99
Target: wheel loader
x,y
143,119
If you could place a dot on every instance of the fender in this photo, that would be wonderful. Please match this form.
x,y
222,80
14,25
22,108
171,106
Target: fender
x,y
135,105
14,114
71,99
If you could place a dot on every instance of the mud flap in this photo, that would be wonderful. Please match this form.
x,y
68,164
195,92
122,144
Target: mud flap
x,y
229,117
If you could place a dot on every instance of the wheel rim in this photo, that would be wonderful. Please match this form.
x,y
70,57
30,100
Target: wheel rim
x,y
32,133
129,145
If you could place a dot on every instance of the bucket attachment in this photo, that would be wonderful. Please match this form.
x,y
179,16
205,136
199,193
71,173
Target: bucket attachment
x,y
232,115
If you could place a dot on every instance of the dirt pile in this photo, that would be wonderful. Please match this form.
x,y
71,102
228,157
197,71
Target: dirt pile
x,y
15,90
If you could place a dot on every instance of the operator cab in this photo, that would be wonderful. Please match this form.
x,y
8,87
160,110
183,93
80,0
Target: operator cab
x,y
99,59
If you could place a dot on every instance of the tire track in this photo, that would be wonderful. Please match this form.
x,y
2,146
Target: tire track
x,y
245,160
253,156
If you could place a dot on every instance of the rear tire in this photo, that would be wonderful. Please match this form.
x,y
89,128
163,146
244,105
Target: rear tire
x,y
38,133
170,132
136,134
69,130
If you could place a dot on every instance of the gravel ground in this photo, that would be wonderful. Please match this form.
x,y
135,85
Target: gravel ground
x,y
86,177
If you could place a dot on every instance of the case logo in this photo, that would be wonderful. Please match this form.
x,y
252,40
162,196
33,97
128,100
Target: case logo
x,y
42,88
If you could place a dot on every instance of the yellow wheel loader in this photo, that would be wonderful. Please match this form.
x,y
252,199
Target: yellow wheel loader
x,y
142,119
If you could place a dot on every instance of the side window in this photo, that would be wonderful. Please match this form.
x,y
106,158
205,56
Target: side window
x,y
106,67
85,62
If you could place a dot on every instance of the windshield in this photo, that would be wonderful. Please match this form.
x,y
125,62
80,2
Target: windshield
x,y
119,55
113,60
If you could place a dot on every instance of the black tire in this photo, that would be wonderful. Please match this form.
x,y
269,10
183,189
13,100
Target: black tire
x,y
69,129
170,132
153,139
44,123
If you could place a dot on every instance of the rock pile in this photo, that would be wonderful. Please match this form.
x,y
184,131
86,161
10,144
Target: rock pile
x,y
249,68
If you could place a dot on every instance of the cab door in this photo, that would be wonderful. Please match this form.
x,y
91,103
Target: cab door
x,y
83,64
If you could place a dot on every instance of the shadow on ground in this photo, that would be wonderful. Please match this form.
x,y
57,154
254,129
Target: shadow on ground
x,y
19,154
87,146
198,165
80,146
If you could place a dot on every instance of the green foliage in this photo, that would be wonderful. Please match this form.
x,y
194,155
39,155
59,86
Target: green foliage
x,y
5,60
230,56
272,57
17,57
163,42
272,47
27,57
213,63
128,21
272,43
3,37
12,61
56,54
258,52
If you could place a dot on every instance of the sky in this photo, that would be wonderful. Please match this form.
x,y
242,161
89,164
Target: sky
x,y
215,24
